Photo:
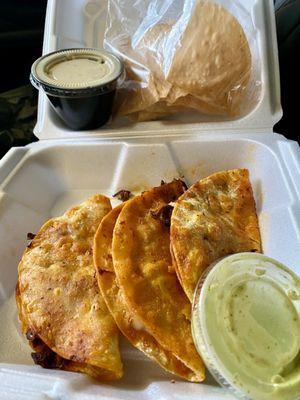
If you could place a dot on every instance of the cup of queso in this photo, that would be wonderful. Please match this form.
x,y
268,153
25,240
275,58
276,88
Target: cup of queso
x,y
80,84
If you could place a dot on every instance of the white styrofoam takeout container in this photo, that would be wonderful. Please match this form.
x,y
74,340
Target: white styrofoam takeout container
x,y
45,178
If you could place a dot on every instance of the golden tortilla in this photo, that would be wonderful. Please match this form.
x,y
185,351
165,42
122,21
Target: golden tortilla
x,y
205,67
215,217
157,111
58,296
213,59
145,84
141,259
136,96
47,358
127,322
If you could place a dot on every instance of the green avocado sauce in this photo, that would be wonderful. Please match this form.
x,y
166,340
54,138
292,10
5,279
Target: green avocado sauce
x,y
246,325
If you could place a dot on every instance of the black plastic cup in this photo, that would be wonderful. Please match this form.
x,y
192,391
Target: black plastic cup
x,y
80,85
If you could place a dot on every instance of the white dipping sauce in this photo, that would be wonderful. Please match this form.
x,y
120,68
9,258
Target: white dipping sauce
x,y
78,70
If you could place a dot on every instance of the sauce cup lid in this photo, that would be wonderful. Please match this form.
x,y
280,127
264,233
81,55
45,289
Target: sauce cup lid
x,y
76,72
246,326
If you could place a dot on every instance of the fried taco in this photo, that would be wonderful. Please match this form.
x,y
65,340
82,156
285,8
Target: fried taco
x,y
126,320
215,217
60,305
146,284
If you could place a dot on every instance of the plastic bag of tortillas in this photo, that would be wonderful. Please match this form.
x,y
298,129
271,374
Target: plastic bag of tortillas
x,y
184,54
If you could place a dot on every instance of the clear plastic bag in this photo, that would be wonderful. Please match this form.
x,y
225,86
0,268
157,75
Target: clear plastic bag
x,y
184,54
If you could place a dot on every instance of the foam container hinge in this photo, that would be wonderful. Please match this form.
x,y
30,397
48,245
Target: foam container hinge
x,y
82,25
45,178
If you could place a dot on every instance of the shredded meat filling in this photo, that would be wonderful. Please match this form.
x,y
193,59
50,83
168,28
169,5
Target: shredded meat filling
x,y
47,359
184,185
30,335
30,237
163,214
123,195
43,355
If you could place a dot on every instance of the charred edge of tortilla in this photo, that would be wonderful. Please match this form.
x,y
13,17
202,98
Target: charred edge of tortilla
x,y
163,214
123,195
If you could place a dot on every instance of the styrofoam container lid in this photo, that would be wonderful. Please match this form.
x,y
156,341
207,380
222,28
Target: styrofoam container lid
x,y
83,25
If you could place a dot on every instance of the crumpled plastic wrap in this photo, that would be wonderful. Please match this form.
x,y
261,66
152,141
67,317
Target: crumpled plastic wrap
x,y
184,54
